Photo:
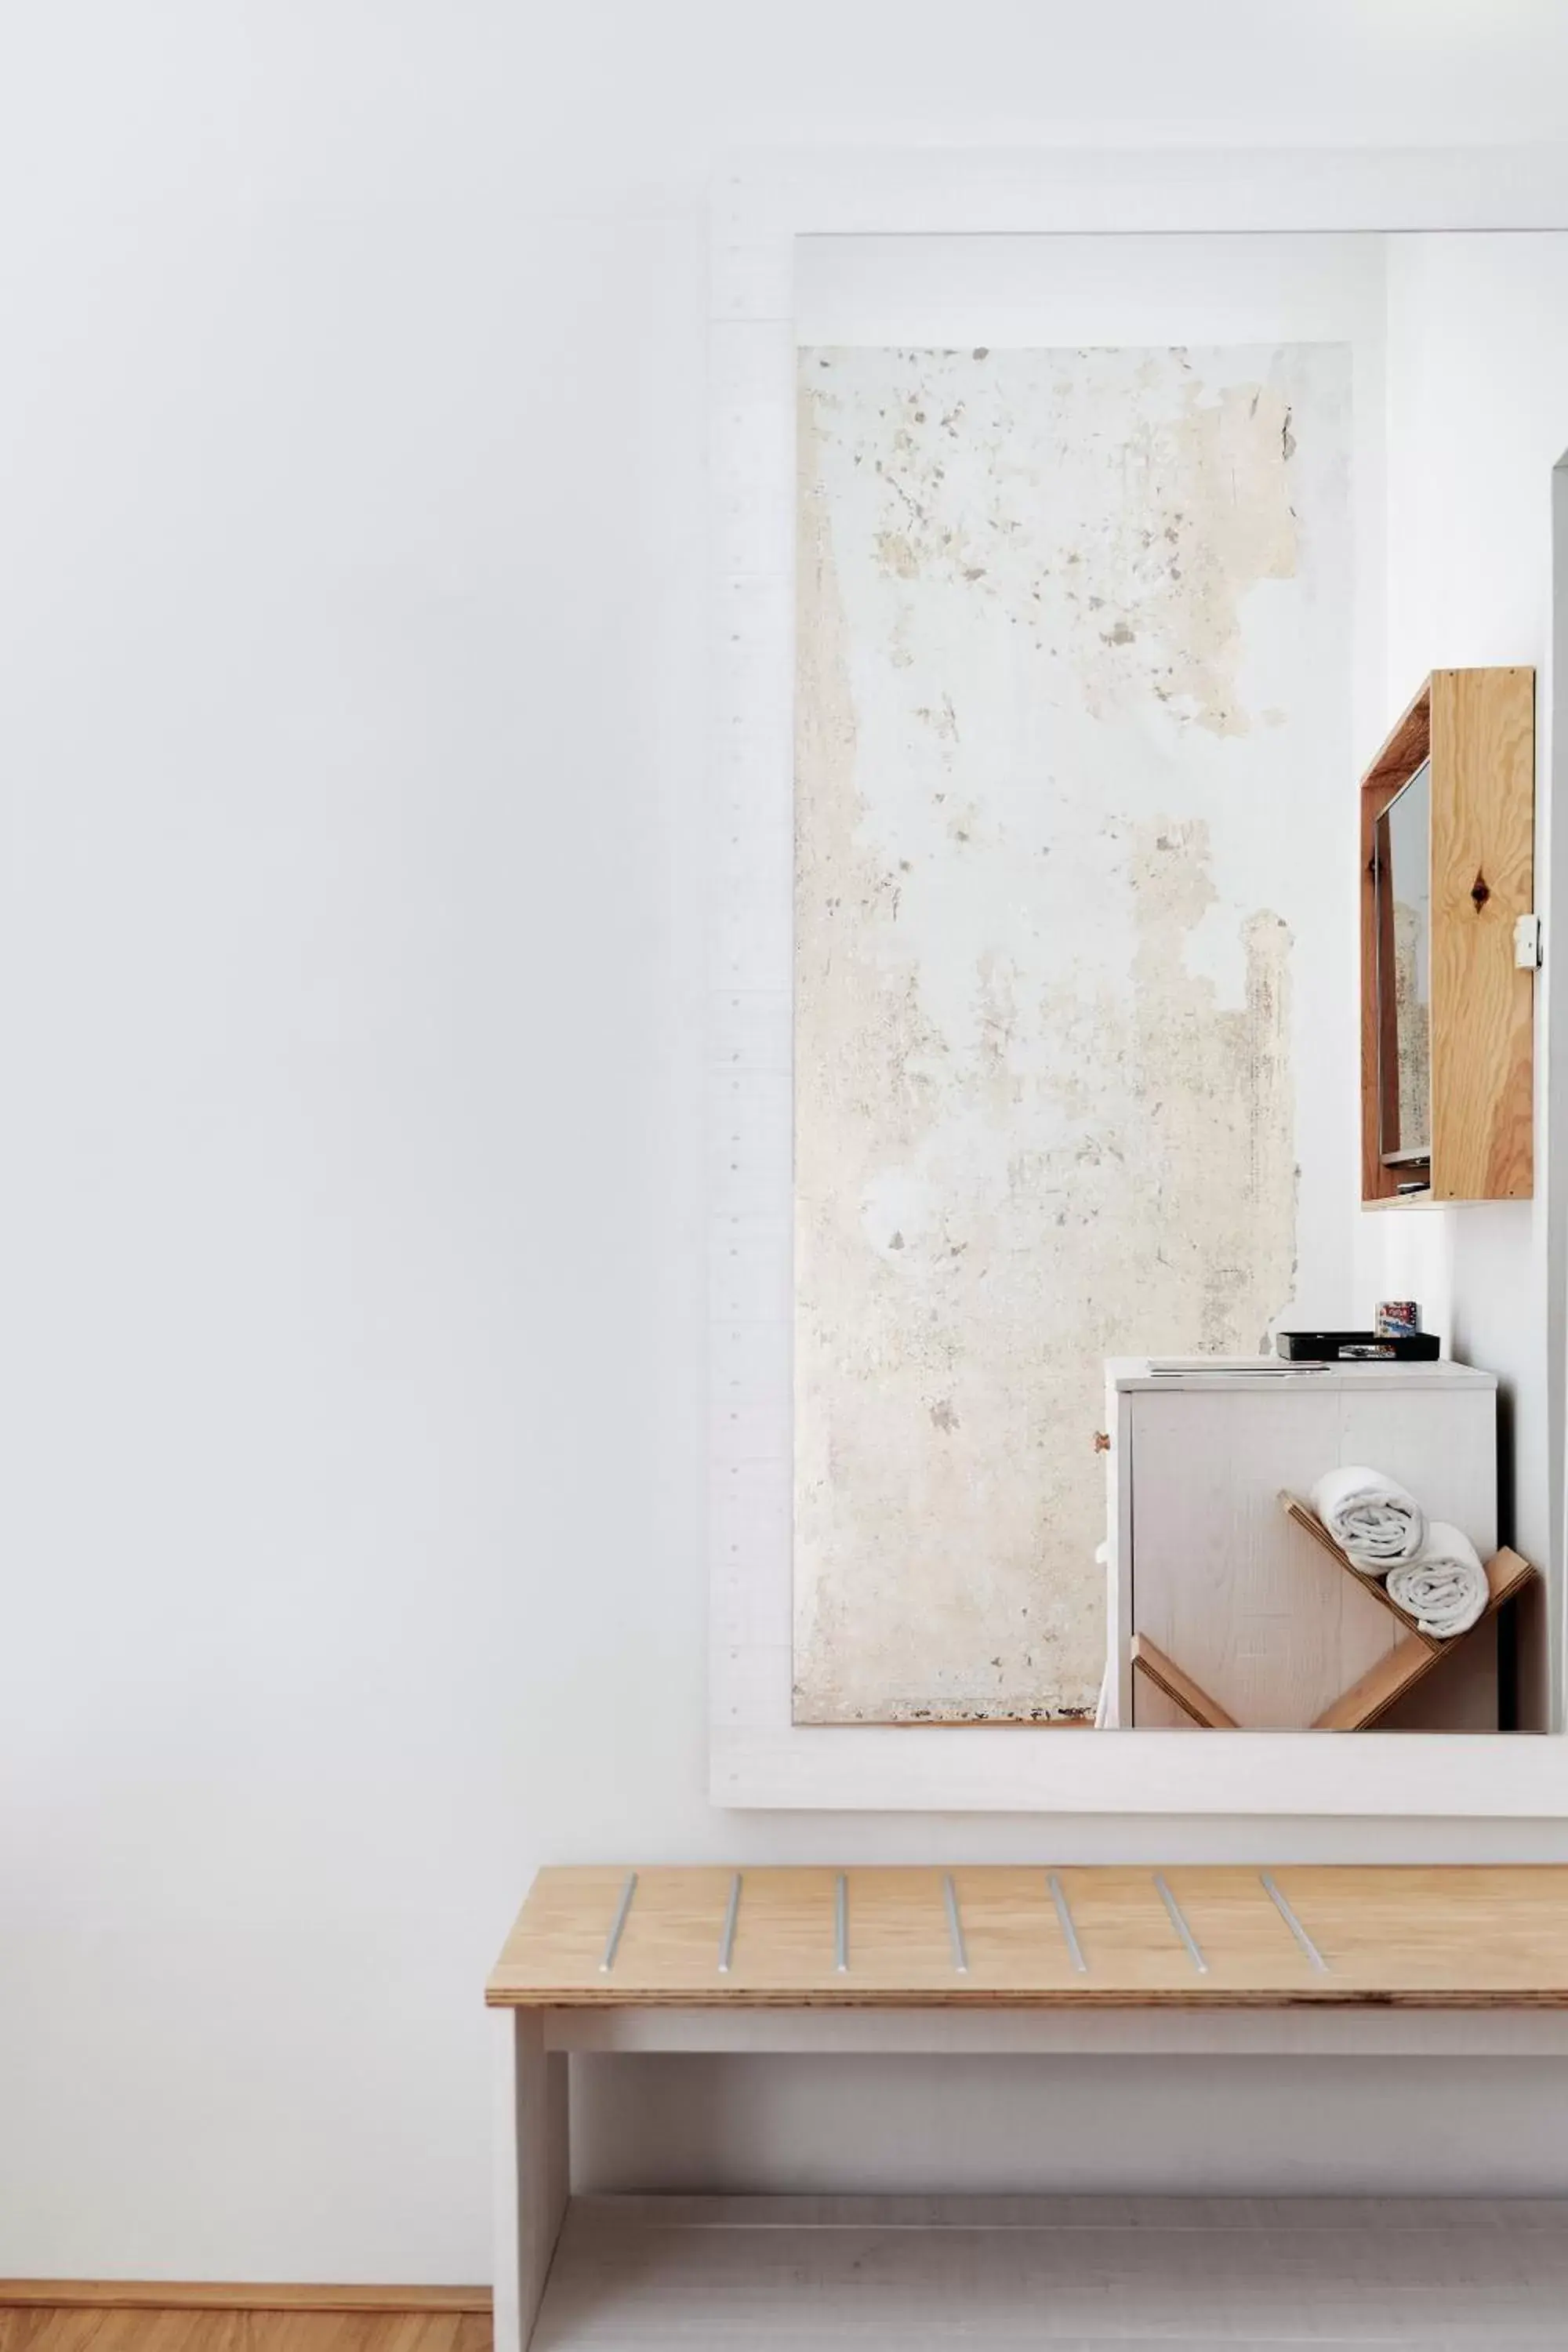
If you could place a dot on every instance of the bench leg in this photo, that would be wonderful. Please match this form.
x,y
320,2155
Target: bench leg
x,y
532,2170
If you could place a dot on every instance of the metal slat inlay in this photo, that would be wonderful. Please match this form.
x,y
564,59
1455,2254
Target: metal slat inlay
x,y
1178,1923
727,1941
612,1942
841,1924
1289,1916
1064,1915
954,1925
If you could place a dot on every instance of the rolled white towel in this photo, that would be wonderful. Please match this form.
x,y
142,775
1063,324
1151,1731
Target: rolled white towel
x,y
1370,1517
1446,1589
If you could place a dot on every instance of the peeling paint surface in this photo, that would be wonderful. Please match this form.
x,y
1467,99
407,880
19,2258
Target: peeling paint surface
x,y
1066,638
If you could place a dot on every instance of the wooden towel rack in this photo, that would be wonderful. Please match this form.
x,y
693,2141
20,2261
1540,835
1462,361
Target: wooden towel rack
x,y
1366,1701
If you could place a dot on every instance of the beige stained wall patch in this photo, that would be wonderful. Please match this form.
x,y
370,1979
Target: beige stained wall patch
x,y
1071,657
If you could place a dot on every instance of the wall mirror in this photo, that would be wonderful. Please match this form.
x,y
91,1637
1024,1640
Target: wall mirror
x,y
1093,566
1403,884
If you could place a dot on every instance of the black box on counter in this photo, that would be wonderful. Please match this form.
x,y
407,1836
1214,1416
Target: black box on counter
x,y
1357,1348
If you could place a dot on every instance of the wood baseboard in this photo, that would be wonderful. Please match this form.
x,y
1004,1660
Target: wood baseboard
x,y
185,2294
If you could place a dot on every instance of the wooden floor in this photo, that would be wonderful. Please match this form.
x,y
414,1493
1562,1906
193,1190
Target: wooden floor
x,y
818,2274
78,2330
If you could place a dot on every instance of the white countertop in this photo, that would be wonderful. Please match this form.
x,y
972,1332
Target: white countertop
x,y
1257,1372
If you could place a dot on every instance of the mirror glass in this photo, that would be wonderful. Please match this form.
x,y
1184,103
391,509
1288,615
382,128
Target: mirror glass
x,y
1116,564
1403,971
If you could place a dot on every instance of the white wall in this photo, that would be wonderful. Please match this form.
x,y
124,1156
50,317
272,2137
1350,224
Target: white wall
x,y
352,591
1477,417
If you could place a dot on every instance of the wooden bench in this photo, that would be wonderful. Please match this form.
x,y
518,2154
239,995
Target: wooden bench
x,y
1424,1962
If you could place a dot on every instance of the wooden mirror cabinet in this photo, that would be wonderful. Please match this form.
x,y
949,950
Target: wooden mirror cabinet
x,y
1449,946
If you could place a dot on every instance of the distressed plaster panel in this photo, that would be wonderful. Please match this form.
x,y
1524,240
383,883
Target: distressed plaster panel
x,y
1071,647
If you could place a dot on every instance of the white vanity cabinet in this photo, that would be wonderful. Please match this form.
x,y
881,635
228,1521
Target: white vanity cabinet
x,y
1202,1560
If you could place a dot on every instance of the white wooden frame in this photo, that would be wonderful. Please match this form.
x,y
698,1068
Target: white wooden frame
x,y
532,2174
757,1756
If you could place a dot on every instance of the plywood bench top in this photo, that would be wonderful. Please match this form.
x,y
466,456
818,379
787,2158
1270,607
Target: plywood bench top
x,y
1438,1937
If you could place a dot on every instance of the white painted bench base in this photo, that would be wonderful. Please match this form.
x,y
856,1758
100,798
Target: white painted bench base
x,y
533,2046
